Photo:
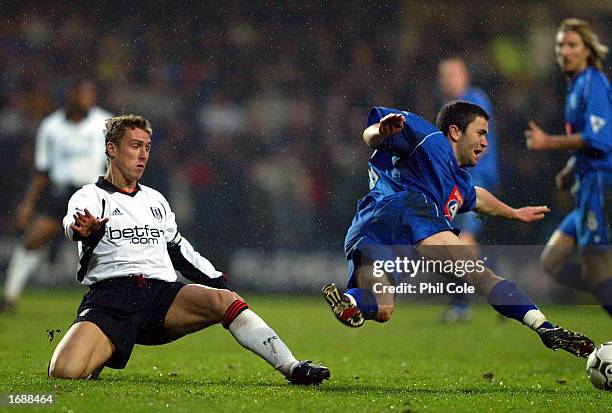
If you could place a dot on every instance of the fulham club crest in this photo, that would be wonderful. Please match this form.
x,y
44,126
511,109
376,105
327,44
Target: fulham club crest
x,y
157,213
453,203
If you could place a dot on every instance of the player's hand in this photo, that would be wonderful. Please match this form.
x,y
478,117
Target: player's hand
x,y
391,124
86,224
565,178
530,213
536,139
24,215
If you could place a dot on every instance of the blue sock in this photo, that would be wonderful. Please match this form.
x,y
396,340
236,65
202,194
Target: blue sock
x,y
510,301
603,292
365,301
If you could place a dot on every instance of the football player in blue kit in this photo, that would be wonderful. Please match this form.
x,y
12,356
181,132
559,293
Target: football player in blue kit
x,y
586,230
454,83
418,183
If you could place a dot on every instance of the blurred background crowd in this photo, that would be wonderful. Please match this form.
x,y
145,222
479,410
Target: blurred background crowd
x,y
258,107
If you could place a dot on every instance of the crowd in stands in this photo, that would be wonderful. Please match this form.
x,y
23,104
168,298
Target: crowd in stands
x,y
258,108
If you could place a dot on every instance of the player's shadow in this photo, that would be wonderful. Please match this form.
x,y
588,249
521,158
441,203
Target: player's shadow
x,y
174,380
327,387
367,387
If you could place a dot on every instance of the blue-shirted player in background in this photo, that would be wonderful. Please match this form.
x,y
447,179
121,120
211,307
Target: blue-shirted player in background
x,y
585,230
418,183
454,83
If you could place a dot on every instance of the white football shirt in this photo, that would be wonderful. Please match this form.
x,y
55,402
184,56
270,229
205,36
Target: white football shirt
x,y
72,154
135,239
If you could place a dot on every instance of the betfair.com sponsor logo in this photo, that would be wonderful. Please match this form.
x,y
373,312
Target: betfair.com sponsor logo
x,y
136,235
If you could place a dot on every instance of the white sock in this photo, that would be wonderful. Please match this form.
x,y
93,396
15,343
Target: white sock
x,y
23,262
254,334
534,319
351,299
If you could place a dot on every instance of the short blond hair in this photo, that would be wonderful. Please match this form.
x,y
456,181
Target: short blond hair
x,y
115,127
590,39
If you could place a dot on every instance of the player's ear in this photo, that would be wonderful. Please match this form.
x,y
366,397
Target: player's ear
x,y
454,132
110,150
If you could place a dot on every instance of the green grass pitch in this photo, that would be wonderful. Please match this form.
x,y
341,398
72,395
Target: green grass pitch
x,y
411,364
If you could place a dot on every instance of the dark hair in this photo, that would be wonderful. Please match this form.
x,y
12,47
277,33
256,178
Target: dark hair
x,y
460,114
115,127
452,56
71,85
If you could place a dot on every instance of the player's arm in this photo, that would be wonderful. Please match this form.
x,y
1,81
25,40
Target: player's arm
x,y
538,140
389,125
488,204
26,208
565,177
84,219
597,129
185,259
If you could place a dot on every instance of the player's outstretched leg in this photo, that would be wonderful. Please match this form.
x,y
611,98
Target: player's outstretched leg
x,y
254,334
507,298
196,307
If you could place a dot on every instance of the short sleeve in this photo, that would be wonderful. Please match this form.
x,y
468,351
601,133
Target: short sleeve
x,y
415,131
597,133
84,198
42,148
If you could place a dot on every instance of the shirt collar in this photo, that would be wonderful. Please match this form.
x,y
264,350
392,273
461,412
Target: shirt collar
x,y
108,187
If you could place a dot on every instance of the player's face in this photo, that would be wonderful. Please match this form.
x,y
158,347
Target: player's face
x,y
473,142
84,96
572,53
132,154
453,77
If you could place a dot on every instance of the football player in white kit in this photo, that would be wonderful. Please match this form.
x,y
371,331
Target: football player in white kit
x,y
68,154
130,249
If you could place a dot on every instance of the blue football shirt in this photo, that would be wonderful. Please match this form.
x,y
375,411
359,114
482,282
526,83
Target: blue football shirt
x,y
588,112
419,159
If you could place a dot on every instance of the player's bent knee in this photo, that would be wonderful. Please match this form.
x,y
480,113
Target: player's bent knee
x,y
226,298
236,296
221,302
64,369
483,281
384,313
83,349
548,263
